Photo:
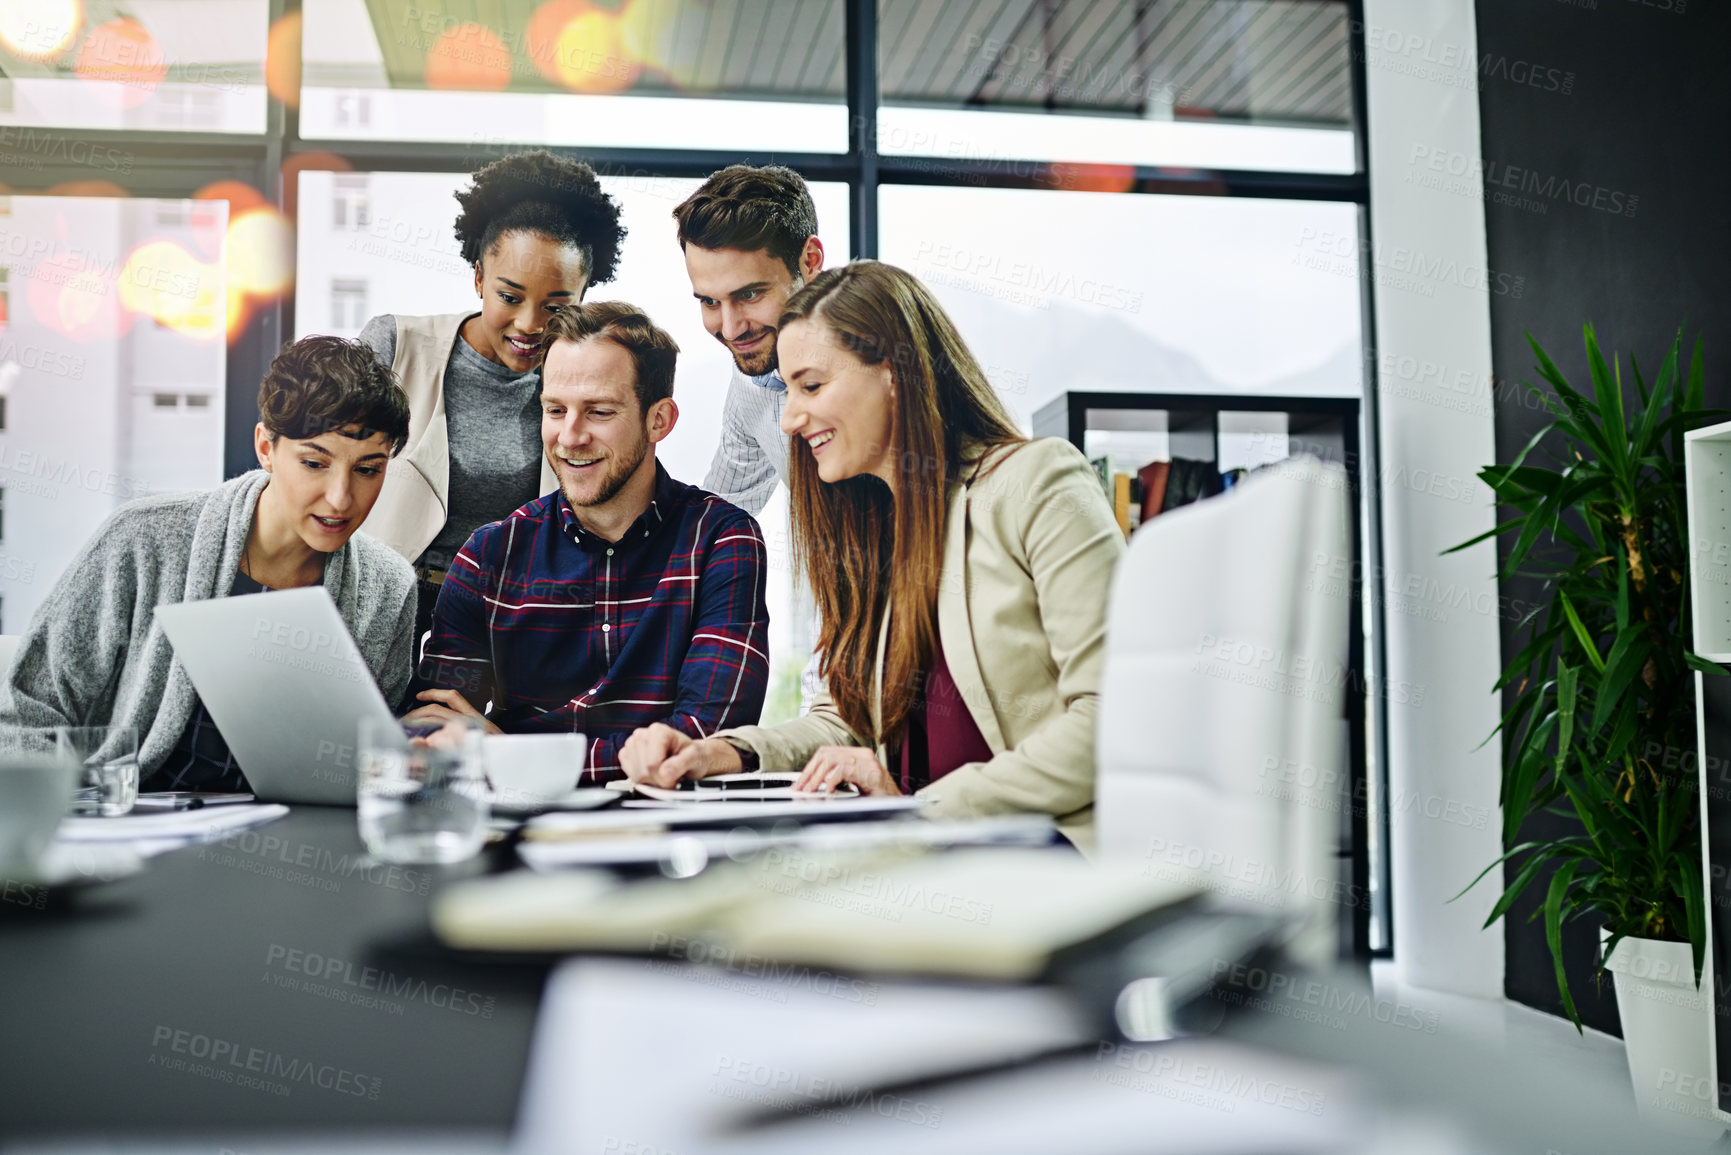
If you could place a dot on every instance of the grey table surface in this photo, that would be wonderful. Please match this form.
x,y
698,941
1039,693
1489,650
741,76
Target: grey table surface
x,y
277,979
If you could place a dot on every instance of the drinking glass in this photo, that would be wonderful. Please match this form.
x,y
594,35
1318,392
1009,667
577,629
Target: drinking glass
x,y
421,800
107,759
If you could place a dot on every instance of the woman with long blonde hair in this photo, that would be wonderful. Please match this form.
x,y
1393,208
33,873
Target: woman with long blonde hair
x,y
960,572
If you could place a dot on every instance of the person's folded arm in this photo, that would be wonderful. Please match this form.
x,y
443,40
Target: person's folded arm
x,y
1071,544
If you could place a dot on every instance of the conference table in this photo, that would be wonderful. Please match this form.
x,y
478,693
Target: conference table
x,y
275,978
280,984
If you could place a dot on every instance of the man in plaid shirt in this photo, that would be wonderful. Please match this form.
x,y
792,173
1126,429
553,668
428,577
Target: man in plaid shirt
x,y
622,599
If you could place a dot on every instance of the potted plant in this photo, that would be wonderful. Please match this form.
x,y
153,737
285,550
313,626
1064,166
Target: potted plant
x,y
1604,699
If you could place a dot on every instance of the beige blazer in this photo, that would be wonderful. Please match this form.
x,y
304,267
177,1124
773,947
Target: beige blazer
x,y
412,504
1029,550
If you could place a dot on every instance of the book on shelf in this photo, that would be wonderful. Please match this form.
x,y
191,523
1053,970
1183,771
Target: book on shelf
x,y
1121,501
1153,477
1103,471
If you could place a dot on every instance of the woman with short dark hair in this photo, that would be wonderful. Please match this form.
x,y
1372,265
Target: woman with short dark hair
x,y
331,419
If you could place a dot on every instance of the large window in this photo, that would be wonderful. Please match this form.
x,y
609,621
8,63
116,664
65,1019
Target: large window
x,y
150,65
118,302
740,75
1238,84
1090,291
1158,196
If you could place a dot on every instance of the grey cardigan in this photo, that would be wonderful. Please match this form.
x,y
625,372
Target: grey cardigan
x,y
94,655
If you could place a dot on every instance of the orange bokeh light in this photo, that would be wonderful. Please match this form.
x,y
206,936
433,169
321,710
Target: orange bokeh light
x,y
85,188
124,53
542,35
579,46
239,195
261,252
644,26
160,279
1111,178
282,60
73,295
39,29
590,55
468,58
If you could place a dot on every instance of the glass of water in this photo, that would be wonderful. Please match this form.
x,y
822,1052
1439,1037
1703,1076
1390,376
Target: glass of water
x,y
107,760
421,800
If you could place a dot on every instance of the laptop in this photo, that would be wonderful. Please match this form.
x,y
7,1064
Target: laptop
x,y
286,686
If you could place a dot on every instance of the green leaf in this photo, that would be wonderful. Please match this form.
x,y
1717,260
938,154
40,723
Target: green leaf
x,y
1659,401
1696,662
1553,912
1567,679
1608,393
1694,906
1581,634
1549,847
1571,406
1628,654
1622,591
1489,533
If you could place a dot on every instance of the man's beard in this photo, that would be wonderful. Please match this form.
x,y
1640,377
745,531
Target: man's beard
x,y
617,475
760,361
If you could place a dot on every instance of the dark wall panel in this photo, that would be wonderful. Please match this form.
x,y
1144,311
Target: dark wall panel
x,y
1610,194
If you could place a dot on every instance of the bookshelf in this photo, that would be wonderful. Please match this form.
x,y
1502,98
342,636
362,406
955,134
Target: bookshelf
x,y
1707,490
1230,432
1234,432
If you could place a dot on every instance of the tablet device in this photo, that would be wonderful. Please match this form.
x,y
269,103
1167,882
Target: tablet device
x,y
285,684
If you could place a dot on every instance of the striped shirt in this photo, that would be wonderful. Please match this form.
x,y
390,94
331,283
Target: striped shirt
x,y
550,628
752,457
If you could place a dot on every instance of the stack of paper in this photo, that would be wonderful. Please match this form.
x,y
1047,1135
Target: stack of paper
x,y
632,839
153,833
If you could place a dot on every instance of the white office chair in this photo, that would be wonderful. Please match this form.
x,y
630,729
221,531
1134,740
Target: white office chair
x,y
1221,734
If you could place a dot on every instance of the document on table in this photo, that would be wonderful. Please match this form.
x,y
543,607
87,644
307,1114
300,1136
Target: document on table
x,y
156,832
771,786
645,839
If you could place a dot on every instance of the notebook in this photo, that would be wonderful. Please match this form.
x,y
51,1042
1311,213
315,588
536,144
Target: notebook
x,y
998,913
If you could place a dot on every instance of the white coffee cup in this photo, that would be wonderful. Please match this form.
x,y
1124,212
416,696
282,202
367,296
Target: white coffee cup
x,y
526,769
35,789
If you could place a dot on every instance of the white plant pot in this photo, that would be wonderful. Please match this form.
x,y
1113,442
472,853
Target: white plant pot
x,y
1667,1034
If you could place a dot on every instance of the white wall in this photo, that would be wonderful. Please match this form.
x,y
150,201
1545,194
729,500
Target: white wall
x,y
1432,291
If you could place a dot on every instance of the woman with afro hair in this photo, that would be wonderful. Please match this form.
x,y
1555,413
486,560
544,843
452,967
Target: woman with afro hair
x,y
539,231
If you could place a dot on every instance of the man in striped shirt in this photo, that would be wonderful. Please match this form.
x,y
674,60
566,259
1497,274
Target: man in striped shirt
x,y
622,599
750,242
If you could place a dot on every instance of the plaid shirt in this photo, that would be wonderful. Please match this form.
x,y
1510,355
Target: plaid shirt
x,y
561,630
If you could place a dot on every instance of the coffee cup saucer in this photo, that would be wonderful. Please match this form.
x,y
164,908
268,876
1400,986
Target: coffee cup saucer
x,y
74,865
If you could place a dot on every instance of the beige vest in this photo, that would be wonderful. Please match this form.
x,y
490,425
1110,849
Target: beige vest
x,y
412,504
